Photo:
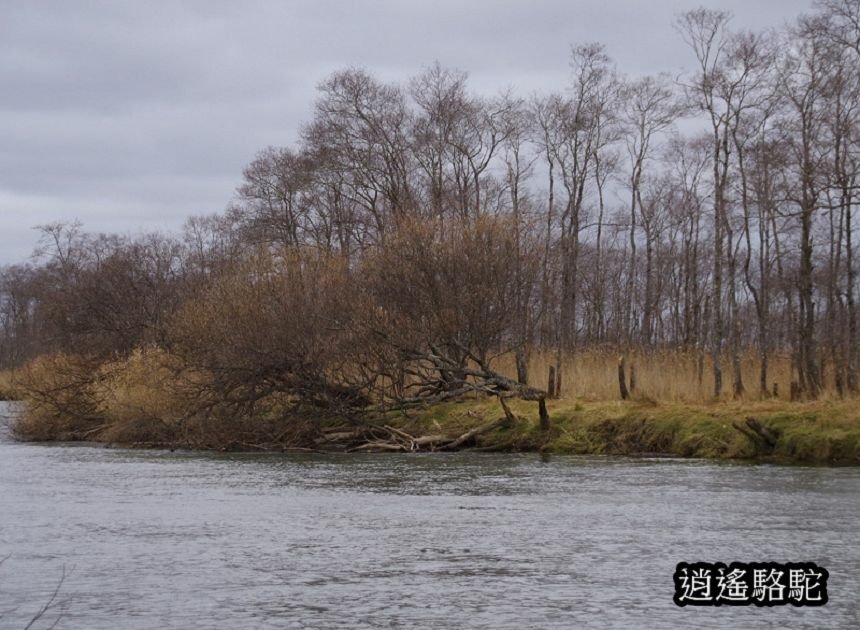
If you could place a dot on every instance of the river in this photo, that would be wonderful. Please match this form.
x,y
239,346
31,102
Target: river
x,y
158,539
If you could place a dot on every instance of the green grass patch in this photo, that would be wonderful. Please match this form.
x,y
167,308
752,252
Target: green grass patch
x,y
824,432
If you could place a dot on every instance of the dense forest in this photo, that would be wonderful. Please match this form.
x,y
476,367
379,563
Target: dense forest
x,y
422,241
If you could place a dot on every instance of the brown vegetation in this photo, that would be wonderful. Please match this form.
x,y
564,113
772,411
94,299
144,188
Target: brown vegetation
x,y
8,389
668,375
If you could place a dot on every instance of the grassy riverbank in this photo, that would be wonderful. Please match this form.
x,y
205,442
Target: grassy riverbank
x,y
822,432
145,400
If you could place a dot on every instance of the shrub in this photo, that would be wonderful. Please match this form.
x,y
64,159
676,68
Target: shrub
x,y
59,400
140,397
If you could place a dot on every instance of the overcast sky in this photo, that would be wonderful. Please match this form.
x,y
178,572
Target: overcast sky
x,y
132,116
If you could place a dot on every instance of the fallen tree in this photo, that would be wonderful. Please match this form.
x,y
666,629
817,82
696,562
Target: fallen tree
x,y
386,438
439,378
763,437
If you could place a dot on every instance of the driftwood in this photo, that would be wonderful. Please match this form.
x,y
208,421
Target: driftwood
x,y
402,434
95,430
377,446
430,440
428,376
473,433
387,438
338,436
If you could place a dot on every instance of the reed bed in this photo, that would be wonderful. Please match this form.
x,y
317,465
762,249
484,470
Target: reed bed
x,y
661,375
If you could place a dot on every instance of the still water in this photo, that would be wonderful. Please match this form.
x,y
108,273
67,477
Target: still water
x,y
154,539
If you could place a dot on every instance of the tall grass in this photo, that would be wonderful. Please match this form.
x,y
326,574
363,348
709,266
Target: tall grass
x,y
140,397
8,388
73,398
145,399
663,375
148,399
58,400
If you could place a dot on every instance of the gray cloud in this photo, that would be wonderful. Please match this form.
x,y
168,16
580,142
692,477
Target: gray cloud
x,y
133,116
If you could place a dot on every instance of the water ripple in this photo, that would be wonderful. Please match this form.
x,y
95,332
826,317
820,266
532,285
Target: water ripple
x,y
154,539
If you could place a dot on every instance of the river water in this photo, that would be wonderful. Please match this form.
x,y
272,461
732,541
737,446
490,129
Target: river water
x,y
155,539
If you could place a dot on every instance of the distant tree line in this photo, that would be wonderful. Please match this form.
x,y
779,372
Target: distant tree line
x,y
417,230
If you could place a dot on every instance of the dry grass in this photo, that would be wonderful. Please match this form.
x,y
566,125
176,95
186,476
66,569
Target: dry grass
x,y
140,398
664,375
73,398
144,399
8,387
58,399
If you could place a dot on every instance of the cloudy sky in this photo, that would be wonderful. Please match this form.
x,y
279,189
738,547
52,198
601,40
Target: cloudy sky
x,y
132,116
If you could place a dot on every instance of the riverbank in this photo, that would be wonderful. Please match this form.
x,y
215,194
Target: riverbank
x,y
821,432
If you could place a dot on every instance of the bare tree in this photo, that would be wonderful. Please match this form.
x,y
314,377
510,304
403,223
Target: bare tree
x,y
650,107
804,84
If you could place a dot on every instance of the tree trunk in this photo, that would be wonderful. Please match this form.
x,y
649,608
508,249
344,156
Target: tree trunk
x,y
622,379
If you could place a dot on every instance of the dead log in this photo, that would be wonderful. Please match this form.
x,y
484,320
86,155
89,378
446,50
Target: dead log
x,y
432,440
338,436
473,433
462,379
401,437
94,430
398,432
378,446
763,437
766,434
752,436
